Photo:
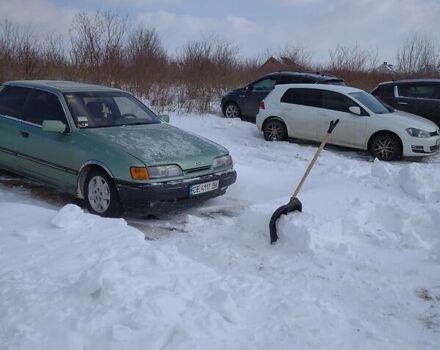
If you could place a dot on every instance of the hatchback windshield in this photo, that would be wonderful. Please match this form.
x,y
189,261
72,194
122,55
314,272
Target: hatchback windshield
x,y
104,109
371,102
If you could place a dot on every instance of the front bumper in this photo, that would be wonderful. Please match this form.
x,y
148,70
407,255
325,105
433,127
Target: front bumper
x,y
422,146
162,196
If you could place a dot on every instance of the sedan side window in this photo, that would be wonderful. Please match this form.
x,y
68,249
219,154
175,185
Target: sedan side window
x,y
12,100
264,85
42,105
304,97
336,101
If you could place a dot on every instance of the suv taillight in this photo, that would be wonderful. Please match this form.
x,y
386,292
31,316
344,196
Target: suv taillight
x,y
262,106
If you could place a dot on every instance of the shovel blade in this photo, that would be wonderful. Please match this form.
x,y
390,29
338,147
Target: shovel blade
x,y
293,205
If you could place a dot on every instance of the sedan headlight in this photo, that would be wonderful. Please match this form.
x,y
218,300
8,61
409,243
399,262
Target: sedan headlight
x,y
418,133
164,171
222,162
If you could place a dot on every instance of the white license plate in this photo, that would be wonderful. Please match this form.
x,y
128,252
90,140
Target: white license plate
x,y
194,190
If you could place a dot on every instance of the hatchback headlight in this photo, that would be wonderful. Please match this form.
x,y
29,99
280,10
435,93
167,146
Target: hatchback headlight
x,y
418,133
164,171
222,162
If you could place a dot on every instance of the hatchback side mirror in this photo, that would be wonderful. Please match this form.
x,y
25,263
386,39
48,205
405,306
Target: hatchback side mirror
x,y
355,110
54,126
165,117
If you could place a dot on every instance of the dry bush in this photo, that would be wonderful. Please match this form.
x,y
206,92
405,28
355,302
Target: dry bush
x,y
418,55
97,47
352,59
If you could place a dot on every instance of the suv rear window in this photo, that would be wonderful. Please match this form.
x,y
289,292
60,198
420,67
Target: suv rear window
x,y
333,82
384,91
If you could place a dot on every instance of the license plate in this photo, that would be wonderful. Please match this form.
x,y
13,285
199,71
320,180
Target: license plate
x,y
194,190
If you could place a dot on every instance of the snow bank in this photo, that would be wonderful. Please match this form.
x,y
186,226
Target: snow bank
x,y
358,268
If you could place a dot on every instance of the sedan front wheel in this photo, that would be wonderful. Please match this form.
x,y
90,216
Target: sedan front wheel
x,y
101,195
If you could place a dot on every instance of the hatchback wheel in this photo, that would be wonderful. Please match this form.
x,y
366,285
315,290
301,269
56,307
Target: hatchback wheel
x,y
275,130
231,110
386,147
101,195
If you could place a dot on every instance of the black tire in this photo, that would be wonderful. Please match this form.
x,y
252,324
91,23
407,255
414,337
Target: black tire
x,y
274,130
385,146
231,110
97,188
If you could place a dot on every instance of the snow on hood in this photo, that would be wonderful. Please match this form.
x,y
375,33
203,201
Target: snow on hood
x,y
162,144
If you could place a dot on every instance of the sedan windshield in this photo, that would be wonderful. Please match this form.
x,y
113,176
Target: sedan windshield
x,y
105,109
371,102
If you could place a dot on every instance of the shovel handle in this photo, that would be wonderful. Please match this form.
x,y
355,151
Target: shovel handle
x,y
331,127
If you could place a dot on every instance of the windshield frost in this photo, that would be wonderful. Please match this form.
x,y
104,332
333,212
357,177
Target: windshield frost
x,y
104,109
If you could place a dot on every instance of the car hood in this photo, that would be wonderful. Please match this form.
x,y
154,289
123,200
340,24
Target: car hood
x,y
414,121
157,144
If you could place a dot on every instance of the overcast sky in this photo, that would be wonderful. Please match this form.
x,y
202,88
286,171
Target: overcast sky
x,y
253,25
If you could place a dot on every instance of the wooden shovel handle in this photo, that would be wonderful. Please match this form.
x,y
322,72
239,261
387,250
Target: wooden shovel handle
x,y
332,125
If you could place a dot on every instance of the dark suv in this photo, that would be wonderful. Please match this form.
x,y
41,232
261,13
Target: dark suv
x,y
244,102
418,96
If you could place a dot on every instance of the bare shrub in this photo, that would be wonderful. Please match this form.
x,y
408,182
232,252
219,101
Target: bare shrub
x,y
418,54
352,59
97,50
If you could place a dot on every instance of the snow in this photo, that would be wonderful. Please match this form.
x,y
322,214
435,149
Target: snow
x,y
359,268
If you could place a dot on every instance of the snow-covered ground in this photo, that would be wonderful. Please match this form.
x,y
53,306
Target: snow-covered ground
x,y
358,269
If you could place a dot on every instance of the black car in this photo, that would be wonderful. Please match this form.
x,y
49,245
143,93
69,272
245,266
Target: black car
x,y
244,102
417,96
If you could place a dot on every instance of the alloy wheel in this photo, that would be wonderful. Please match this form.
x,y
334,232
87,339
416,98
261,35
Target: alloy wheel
x,y
384,148
231,111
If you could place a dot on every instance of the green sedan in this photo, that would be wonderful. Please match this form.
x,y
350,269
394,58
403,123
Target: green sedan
x,y
103,145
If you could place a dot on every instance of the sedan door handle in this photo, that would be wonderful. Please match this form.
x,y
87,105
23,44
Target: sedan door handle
x,y
24,134
403,103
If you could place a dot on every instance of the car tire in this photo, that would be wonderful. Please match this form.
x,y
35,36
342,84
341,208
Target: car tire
x,y
231,110
275,130
385,146
101,195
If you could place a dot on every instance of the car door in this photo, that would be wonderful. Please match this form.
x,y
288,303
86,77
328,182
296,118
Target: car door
x,y
422,98
407,99
12,100
255,93
299,109
52,157
352,127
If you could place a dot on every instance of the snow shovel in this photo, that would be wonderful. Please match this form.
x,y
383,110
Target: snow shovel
x,y
294,203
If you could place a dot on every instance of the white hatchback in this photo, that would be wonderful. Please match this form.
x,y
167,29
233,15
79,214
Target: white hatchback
x,y
304,112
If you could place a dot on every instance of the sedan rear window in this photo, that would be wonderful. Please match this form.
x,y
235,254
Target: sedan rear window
x,y
105,109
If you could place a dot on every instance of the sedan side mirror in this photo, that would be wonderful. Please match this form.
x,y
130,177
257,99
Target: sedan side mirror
x,y
355,110
165,117
54,126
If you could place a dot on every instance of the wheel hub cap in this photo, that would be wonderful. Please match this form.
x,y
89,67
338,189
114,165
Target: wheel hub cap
x,y
231,111
384,147
98,194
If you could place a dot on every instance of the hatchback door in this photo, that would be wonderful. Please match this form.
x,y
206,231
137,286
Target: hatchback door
x,y
52,157
299,109
12,100
352,127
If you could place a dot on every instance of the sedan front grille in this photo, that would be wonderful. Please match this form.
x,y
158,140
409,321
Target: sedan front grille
x,y
196,170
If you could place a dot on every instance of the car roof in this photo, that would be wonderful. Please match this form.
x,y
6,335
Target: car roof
x,y
336,88
62,86
408,81
318,76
